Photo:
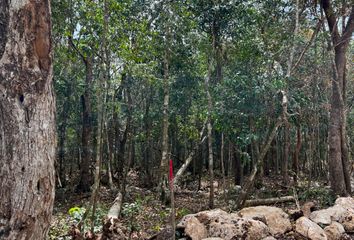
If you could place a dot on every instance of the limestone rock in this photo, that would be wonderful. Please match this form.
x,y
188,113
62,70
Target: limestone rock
x,y
347,221
238,228
326,216
213,238
275,218
203,216
220,224
345,202
184,220
195,230
309,229
334,231
307,208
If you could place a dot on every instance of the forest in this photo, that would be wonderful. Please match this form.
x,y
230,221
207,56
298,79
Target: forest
x,y
176,119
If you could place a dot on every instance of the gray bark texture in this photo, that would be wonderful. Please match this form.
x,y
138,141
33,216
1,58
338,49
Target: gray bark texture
x,y
338,151
27,120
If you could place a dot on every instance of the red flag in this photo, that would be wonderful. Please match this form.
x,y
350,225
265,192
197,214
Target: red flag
x,y
171,172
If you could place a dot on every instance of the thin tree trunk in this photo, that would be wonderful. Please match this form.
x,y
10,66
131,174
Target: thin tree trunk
x,y
210,137
165,124
62,138
121,143
110,157
285,101
222,164
27,120
250,181
238,168
189,159
147,149
101,114
284,166
129,137
164,158
296,154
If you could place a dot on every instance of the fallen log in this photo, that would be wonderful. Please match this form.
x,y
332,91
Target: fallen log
x,y
189,158
268,201
112,228
114,211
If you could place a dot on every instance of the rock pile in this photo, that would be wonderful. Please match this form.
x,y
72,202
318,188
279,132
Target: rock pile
x,y
269,223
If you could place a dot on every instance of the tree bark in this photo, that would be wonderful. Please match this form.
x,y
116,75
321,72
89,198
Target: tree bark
x,y
101,94
222,163
269,201
285,102
210,137
338,151
85,176
115,209
238,168
62,137
296,154
165,123
27,120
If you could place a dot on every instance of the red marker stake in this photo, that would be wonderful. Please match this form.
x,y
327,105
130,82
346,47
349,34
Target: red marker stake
x,y
170,179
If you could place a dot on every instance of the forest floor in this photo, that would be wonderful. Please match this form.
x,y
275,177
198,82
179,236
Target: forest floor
x,y
143,215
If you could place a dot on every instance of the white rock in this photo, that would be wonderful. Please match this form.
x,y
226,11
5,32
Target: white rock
x,y
204,216
346,202
326,216
334,231
195,230
238,228
347,221
309,229
276,219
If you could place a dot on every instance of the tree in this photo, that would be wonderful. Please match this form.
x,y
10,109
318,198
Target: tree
x,y
338,148
84,44
27,120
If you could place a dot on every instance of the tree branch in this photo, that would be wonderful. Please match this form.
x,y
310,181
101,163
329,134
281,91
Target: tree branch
x,y
76,49
349,28
331,19
313,36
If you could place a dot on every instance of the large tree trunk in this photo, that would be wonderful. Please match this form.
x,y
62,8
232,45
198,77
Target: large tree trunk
x,y
27,120
85,176
338,151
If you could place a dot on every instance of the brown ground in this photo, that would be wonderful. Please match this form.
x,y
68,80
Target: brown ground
x,y
148,216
